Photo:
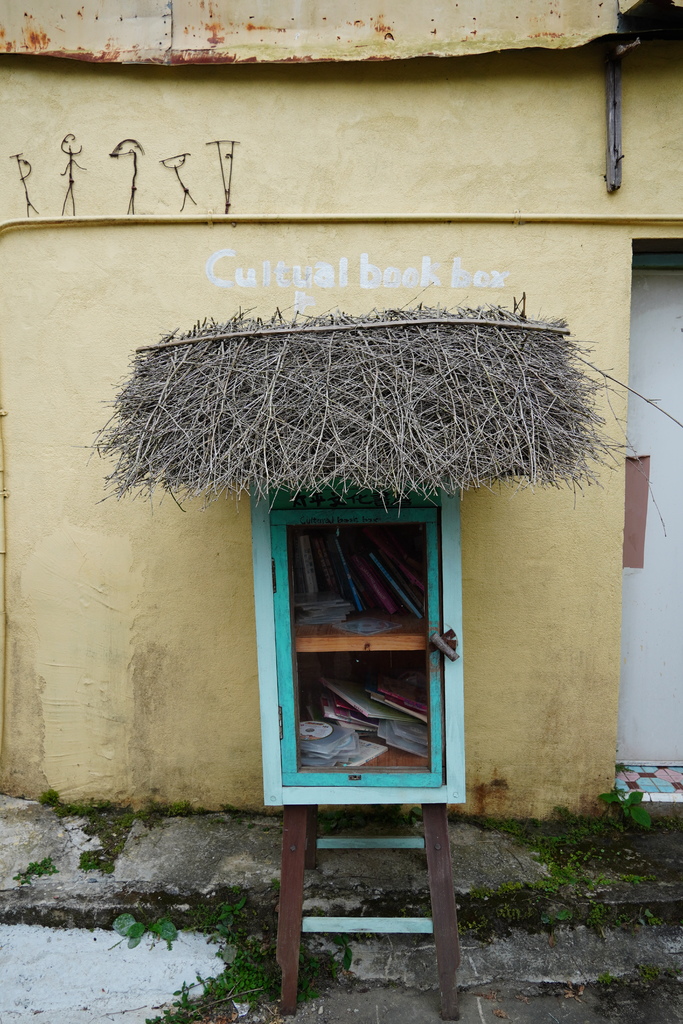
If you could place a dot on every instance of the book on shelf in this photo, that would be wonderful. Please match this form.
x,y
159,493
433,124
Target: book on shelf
x,y
367,600
403,691
389,545
320,608
307,564
299,579
398,590
334,708
415,595
357,696
323,563
365,565
347,574
381,597
337,568
390,702
322,598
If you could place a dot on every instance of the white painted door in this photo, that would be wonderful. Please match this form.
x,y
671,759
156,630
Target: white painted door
x,y
651,696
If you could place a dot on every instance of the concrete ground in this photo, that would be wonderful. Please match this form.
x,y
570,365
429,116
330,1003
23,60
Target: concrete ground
x,y
74,976
57,965
528,1005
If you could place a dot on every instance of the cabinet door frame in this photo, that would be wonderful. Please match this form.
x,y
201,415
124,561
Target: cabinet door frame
x,y
277,791
363,777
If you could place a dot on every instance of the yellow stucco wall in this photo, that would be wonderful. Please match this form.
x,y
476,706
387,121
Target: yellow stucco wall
x,y
130,669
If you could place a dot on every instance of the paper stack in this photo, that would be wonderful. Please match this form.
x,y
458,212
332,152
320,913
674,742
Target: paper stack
x,y
320,608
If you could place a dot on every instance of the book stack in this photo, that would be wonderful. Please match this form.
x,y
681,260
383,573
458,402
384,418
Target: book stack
x,y
368,709
338,710
366,567
315,608
409,694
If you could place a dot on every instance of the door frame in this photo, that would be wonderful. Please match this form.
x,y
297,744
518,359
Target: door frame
x,y
670,258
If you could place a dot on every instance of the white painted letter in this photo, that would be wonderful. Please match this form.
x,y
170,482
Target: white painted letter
x,y
370,275
459,278
481,279
428,272
343,272
498,280
392,277
324,275
280,271
410,277
302,282
301,301
266,273
249,282
211,263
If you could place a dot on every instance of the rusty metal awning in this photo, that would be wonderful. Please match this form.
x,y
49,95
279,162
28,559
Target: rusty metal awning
x,y
215,31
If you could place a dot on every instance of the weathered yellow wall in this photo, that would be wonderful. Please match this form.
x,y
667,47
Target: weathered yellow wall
x,y
131,668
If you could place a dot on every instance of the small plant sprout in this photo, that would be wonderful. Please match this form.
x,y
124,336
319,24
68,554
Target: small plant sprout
x,y
36,869
345,949
225,920
165,930
128,928
629,805
551,918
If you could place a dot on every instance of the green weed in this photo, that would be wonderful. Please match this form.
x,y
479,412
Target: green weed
x,y
218,920
345,949
597,918
127,927
481,892
36,869
508,912
551,918
94,860
111,824
648,972
629,806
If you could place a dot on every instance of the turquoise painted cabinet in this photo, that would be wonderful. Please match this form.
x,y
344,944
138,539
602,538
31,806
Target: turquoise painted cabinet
x,y
356,602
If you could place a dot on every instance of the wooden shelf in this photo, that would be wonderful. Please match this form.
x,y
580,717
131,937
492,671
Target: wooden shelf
x,y
393,759
412,636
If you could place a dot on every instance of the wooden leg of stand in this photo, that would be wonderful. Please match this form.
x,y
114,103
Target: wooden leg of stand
x,y
311,836
444,916
291,903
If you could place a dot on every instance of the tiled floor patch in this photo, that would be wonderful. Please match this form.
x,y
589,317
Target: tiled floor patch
x,y
658,784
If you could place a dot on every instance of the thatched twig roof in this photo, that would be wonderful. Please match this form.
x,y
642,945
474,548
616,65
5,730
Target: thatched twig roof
x,y
401,400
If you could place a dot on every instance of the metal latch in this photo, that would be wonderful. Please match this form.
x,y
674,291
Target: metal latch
x,y
274,576
279,720
447,644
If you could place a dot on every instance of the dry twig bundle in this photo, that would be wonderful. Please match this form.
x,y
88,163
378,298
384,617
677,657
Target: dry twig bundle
x,y
397,401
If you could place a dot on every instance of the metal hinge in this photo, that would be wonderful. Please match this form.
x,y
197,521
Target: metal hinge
x,y
274,576
279,720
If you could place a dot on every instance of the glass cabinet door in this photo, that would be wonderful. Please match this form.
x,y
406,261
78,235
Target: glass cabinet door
x,y
360,686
